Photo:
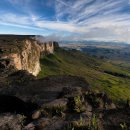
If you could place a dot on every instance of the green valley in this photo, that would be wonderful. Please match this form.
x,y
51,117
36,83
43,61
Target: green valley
x,y
65,62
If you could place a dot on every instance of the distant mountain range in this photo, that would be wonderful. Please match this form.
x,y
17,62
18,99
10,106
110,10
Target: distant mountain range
x,y
107,50
92,42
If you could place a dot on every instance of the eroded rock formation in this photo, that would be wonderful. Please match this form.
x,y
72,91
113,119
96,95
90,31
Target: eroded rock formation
x,y
22,53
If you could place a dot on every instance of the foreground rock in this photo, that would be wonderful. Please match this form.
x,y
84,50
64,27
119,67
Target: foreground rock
x,y
40,90
11,122
13,104
65,102
36,115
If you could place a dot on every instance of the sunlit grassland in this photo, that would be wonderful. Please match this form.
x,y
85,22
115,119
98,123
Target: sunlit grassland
x,y
78,64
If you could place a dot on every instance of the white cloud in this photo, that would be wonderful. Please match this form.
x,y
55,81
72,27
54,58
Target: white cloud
x,y
98,19
12,18
128,1
88,19
56,25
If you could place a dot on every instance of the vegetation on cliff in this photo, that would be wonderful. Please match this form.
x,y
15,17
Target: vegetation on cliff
x,y
94,70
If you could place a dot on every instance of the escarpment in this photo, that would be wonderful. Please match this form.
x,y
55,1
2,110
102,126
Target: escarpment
x,y
22,53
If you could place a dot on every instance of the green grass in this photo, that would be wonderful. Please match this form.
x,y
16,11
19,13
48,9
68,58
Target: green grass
x,y
76,63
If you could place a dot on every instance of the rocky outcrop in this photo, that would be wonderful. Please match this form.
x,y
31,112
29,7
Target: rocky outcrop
x,y
56,103
22,53
13,104
11,121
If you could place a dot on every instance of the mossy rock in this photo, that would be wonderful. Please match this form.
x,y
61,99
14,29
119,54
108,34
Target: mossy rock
x,y
56,107
76,104
71,92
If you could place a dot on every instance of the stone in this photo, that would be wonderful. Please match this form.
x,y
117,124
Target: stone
x,y
13,104
30,126
71,92
80,120
11,121
88,107
43,123
57,103
36,114
111,106
54,123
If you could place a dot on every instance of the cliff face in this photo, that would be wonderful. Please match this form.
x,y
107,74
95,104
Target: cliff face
x,y
22,53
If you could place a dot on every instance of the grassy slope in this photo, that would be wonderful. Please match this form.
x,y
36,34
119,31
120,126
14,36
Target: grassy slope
x,y
76,63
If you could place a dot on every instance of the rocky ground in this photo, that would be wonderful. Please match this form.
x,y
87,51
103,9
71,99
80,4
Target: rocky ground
x,y
57,103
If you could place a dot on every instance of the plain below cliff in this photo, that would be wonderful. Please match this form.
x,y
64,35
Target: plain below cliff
x,y
94,70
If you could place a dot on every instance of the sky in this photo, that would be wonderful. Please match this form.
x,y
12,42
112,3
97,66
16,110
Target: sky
x,y
101,20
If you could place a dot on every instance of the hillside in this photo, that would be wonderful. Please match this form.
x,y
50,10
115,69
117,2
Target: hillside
x,y
101,75
67,94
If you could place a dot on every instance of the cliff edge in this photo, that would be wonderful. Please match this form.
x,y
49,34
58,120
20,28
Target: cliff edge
x,y
22,53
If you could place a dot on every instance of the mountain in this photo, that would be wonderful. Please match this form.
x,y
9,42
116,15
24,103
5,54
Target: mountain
x,y
108,50
73,90
93,42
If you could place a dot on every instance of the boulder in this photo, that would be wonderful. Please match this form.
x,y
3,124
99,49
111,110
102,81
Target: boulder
x,y
56,107
111,106
88,107
57,103
43,123
80,120
30,126
13,104
11,121
75,104
71,92
36,114
50,124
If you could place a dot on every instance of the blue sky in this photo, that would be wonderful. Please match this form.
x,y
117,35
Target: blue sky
x,y
107,20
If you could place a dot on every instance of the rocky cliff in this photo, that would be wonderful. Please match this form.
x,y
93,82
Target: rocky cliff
x,y
22,53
